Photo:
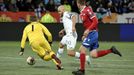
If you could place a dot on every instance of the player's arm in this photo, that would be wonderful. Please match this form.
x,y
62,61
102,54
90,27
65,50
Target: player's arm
x,y
23,41
47,33
93,18
93,24
74,23
84,18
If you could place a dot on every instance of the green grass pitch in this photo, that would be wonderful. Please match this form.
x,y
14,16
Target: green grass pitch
x,y
13,64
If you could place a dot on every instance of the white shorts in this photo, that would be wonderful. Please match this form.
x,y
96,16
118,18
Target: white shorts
x,y
69,40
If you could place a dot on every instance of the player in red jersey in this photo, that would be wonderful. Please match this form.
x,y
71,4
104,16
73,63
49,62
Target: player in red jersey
x,y
90,37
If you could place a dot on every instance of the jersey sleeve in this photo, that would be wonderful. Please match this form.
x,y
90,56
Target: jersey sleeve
x,y
47,33
89,14
93,24
93,18
23,40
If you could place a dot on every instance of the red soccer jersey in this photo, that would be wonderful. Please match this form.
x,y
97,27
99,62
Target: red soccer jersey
x,y
89,18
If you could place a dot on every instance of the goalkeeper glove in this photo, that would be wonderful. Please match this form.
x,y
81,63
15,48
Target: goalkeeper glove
x,y
21,51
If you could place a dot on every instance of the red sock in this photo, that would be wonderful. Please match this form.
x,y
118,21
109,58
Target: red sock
x,y
82,61
103,53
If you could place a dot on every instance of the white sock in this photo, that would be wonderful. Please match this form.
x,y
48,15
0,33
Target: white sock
x,y
60,51
77,54
88,59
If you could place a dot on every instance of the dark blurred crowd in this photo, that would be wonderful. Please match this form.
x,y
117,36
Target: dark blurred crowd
x,y
118,6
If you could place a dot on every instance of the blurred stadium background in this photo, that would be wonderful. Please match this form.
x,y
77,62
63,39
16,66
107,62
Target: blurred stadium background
x,y
116,27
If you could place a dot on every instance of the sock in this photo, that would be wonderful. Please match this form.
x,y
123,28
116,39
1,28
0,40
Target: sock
x,y
103,53
82,61
60,51
87,58
56,60
77,54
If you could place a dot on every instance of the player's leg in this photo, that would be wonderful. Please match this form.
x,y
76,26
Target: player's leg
x,y
61,46
48,56
96,54
71,43
39,50
60,50
47,48
94,45
81,71
82,49
87,42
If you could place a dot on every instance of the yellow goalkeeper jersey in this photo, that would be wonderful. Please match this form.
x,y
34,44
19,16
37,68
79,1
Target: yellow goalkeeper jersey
x,y
35,31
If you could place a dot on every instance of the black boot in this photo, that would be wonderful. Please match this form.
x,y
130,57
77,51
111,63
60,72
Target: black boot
x,y
115,51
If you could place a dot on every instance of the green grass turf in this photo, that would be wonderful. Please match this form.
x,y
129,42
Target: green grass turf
x,y
13,64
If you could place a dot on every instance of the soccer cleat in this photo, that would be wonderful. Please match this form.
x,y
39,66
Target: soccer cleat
x,y
59,67
78,72
115,51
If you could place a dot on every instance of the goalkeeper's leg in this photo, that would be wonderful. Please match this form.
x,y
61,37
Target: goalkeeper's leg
x,y
47,49
56,60
52,56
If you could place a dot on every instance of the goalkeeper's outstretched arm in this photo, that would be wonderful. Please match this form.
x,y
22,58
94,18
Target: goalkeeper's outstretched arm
x,y
23,41
47,33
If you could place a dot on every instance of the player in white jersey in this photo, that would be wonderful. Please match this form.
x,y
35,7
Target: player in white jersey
x,y
70,37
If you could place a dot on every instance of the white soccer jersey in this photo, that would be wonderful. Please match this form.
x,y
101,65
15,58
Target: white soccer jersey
x,y
71,37
67,22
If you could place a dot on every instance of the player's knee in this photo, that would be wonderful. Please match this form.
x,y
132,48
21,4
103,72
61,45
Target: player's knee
x,y
83,49
93,55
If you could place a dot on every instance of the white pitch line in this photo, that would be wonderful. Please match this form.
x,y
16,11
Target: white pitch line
x,y
41,59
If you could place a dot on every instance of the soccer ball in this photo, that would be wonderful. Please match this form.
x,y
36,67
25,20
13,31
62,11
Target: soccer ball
x,y
30,60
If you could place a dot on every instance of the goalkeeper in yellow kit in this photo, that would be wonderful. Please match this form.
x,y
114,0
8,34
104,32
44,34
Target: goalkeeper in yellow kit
x,y
35,32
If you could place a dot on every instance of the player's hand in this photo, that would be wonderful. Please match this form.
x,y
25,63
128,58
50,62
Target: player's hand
x,y
61,33
86,32
83,37
21,53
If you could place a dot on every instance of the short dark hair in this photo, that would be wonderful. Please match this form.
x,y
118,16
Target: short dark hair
x,y
33,18
81,2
